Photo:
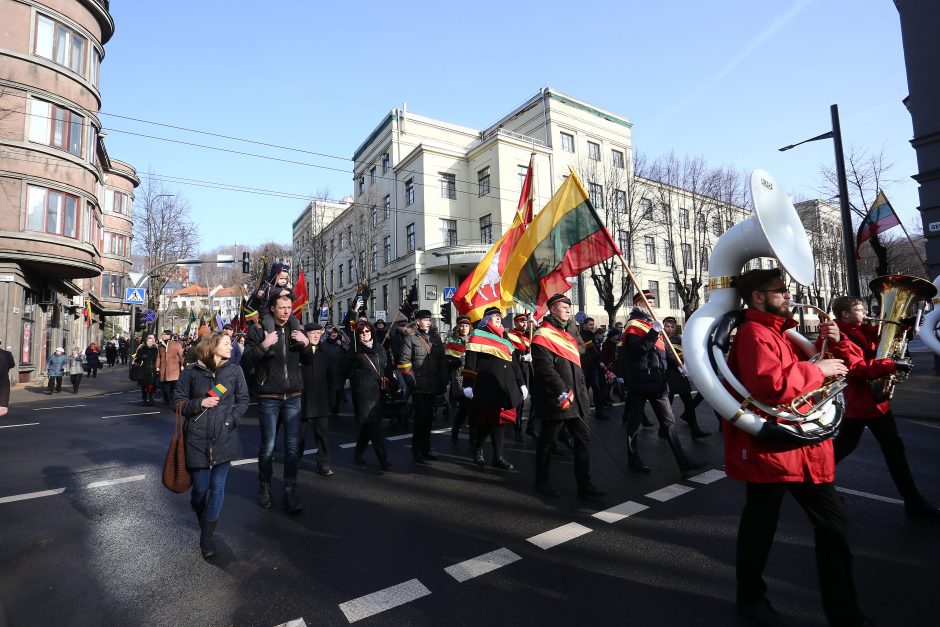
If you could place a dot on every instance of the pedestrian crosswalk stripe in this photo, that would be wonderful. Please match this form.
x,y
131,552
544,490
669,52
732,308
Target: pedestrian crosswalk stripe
x,y
619,512
101,484
482,564
558,535
669,492
708,477
868,495
31,495
377,602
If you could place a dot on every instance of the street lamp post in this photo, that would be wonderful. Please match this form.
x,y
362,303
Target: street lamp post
x,y
851,268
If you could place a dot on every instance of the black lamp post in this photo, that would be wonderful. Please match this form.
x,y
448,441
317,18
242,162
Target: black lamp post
x,y
848,241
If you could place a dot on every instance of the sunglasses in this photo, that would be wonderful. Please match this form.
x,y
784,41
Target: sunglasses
x,y
779,290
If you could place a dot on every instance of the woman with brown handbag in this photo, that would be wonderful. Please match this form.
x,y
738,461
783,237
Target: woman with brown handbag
x,y
213,396
370,376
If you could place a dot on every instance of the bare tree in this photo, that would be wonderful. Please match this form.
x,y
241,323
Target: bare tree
x,y
265,256
363,244
313,250
163,231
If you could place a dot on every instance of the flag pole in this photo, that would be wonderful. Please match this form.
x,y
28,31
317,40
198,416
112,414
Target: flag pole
x,y
906,234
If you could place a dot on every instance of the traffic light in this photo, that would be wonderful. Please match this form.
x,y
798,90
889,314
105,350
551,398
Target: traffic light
x,y
138,320
445,313
246,262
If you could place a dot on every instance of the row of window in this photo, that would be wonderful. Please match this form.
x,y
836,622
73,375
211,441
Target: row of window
x,y
62,128
58,213
594,150
66,47
373,173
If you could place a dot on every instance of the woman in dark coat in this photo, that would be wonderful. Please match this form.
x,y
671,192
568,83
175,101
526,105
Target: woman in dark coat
x,y
212,396
367,367
146,358
92,360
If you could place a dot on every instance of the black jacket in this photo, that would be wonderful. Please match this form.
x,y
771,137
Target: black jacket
x,y
555,376
496,381
642,365
277,368
337,363
424,353
319,391
146,357
363,372
210,435
591,357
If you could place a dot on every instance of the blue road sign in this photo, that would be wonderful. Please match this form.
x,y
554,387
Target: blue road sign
x,y
150,316
135,295
449,294
580,317
324,313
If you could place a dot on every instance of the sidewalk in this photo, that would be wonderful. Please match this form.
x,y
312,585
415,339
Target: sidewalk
x,y
108,380
919,396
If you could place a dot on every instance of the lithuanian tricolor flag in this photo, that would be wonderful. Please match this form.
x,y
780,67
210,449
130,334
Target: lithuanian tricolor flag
x,y
86,313
881,217
565,238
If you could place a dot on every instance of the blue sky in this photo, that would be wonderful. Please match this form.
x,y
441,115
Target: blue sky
x,y
731,80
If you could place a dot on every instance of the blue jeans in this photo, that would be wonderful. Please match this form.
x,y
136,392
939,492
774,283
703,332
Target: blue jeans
x,y
209,490
273,413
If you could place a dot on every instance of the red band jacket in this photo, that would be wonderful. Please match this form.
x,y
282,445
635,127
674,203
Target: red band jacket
x,y
767,364
857,348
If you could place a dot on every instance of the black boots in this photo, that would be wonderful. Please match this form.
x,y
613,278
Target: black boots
x,y
291,504
206,545
478,457
264,496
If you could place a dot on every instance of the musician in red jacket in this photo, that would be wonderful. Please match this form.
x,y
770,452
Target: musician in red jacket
x,y
858,349
767,364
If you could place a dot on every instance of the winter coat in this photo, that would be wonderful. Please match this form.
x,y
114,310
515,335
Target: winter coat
x,y
92,359
170,361
857,347
211,435
338,362
276,368
642,361
591,357
76,364
7,363
110,352
555,376
319,391
495,381
363,371
421,362
766,363
455,367
146,357
56,365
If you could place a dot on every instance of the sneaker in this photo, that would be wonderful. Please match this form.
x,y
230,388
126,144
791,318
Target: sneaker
x,y
325,471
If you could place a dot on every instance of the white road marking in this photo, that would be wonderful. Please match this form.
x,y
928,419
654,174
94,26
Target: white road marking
x,y
58,407
25,424
558,535
393,438
311,451
372,604
669,492
447,430
481,565
348,445
250,460
297,622
31,495
101,484
708,477
619,512
925,424
868,495
143,413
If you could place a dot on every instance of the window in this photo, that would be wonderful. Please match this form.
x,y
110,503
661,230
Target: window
x,y
115,244
646,208
522,171
86,223
686,256
623,239
342,239
667,214
449,232
375,215
95,65
684,218
350,270
112,285
385,299
596,194
349,235
341,275
667,249
333,246
650,246
387,244
654,288
386,163
594,151
387,205
92,145
409,192
331,278
716,224
448,185
53,212
60,44
483,181
362,183
486,229
117,202
617,158
706,253
55,126
700,222
673,296
567,142
410,237
372,176
620,200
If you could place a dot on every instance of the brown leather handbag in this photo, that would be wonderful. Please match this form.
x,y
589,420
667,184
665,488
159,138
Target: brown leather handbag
x,y
175,476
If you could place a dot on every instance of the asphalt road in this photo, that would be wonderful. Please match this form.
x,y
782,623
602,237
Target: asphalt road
x,y
448,544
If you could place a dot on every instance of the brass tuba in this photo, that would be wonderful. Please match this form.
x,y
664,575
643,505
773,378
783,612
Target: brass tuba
x,y
899,296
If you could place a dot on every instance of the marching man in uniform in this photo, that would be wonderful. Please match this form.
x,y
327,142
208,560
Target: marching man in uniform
x,y
519,336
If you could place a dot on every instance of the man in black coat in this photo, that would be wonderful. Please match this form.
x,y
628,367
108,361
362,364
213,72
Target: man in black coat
x,y
561,396
7,363
317,397
421,363
643,364
591,364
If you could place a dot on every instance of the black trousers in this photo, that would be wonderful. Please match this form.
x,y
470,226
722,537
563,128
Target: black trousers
x,y
680,385
885,431
547,437
423,406
169,390
830,523
635,407
595,380
76,380
371,432
55,383
460,416
321,427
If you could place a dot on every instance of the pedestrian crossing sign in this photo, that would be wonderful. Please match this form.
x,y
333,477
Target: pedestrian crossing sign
x,y
135,295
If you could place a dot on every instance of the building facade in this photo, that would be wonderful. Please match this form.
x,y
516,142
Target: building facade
x,y
61,232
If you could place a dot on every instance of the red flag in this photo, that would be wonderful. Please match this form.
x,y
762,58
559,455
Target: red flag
x,y
301,297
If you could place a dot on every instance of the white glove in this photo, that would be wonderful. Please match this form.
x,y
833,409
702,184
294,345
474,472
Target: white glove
x,y
468,392
527,357
620,380
525,392
657,326
683,371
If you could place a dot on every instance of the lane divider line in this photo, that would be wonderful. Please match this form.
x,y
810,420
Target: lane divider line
x,y
377,602
297,622
393,438
709,476
481,565
619,512
669,492
31,495
254,460
869,495
57,407
558,535
25,424
143,413
101,484
347,445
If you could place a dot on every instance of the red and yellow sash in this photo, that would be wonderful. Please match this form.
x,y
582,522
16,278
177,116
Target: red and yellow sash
x,y
483,341
520,340
641,328
455,348
559,342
